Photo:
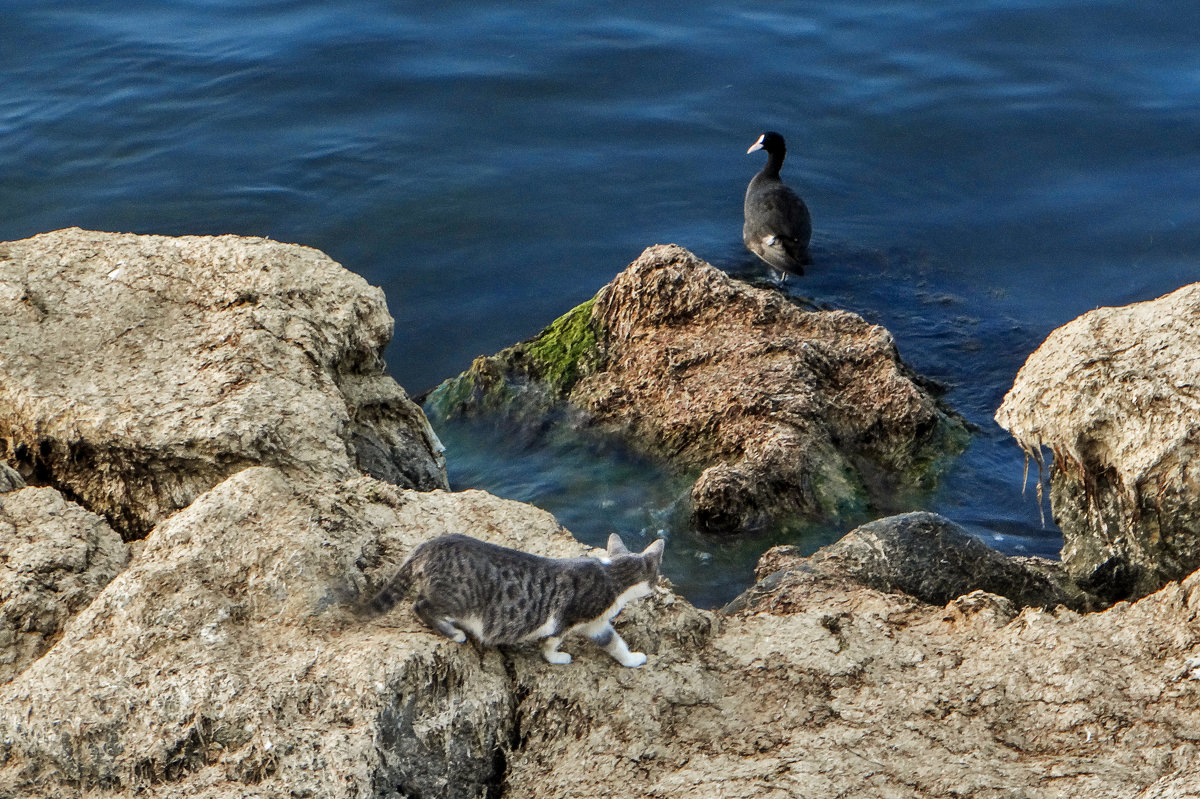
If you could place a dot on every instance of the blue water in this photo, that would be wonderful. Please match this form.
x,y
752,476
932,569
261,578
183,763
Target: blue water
x,y
979,173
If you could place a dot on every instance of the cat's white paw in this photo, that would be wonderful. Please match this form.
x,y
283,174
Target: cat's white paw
x,y
557,658
459,637
634,659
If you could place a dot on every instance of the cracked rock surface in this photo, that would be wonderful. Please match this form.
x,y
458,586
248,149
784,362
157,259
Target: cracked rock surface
x,y
55,558
136,372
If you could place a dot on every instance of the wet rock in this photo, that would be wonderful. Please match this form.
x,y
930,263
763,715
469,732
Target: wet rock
x,y
55,558
1113,395
777,411
934,560
136,372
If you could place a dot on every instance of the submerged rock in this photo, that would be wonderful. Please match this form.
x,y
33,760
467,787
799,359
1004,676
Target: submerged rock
x,y
137,372
776,410
1114,397
930,558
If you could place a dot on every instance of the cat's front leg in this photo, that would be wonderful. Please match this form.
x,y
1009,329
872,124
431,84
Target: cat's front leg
x,y
615,645
550,651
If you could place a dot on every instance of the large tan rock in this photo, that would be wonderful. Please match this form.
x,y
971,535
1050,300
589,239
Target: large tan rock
x,y
137,372
1114,396
825,688
777,411
220,664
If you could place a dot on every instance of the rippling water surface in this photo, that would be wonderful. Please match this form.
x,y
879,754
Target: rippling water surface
x,y
979,173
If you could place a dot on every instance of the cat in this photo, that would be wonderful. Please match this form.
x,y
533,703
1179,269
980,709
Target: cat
x,y
501,596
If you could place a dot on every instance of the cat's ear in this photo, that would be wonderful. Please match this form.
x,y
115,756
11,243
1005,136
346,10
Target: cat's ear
x,y
655,550
616,546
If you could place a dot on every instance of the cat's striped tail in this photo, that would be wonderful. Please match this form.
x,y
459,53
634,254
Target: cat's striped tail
x,y
390,595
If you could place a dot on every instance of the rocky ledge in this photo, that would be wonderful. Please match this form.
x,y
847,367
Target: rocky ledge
x,y
219,663
776,410
217,658
1115,397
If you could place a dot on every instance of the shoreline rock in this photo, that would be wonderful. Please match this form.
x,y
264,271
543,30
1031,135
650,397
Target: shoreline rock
x,y
1113,396
219,663
222,659
136,372
927,557
775,410
217,657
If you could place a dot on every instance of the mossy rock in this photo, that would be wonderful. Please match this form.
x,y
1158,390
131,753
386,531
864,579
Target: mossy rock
x,y
527,379
775,410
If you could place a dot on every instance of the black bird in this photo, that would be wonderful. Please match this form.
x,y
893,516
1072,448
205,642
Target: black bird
x,y
778,225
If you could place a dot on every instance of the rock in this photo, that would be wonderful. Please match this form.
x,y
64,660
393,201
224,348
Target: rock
x,y
137,372
934,560
55,557
10,478
1182,784
861,693
221,664
221,661
778,411
1113,395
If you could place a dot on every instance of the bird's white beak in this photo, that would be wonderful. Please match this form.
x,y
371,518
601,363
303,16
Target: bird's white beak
x,y
756,146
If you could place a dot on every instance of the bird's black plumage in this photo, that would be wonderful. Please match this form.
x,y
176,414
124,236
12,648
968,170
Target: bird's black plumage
x,y
778,226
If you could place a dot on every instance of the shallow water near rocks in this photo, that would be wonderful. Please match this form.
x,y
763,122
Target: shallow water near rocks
x,y
978,174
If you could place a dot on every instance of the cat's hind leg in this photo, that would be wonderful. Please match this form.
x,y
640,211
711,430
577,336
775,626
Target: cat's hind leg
x,y
550,651
425,611
615,645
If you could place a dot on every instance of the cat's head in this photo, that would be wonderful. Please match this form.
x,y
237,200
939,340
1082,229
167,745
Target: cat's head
x,y
641,568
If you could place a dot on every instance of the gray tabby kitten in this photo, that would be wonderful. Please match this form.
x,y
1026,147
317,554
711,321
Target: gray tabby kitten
x,y
501,596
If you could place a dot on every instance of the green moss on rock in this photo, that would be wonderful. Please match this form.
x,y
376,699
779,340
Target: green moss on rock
x,y
527,377
566,350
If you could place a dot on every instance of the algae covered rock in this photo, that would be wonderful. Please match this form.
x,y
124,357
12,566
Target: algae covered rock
x,y
776,411
136,372
1114,396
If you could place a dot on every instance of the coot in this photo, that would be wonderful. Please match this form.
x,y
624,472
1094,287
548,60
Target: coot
x,y
778,225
